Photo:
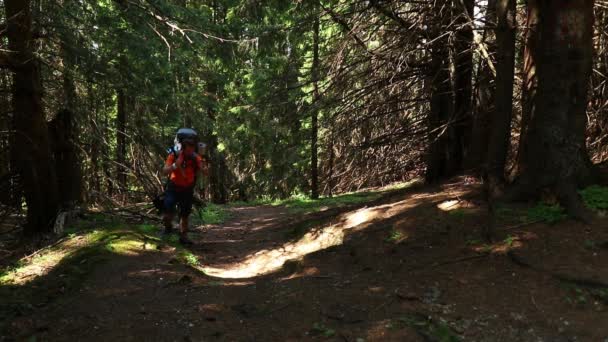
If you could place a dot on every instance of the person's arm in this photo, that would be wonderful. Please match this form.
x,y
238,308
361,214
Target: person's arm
x,y
171,164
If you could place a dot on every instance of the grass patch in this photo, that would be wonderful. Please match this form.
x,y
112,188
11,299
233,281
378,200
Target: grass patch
x,y
546,213
149,229
595,197
188,257
396,237
302,203
213,214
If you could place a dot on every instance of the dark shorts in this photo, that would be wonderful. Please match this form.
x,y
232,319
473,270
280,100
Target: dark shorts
x,y
182,198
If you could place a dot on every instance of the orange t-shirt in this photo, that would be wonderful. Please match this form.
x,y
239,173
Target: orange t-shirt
x,y
184,177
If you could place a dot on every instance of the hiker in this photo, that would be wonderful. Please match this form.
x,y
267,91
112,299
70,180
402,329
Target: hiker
x,y
183,166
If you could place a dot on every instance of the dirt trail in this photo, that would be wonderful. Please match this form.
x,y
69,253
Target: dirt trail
x,y
405,270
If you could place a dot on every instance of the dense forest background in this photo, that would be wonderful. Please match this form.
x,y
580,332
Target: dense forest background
x,y
312,97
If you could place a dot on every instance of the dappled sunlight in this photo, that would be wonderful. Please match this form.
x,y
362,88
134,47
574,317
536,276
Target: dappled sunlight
x,y
48,259
129,247
307,272
267,261
360,216
271,260
455,204
505,246
449,205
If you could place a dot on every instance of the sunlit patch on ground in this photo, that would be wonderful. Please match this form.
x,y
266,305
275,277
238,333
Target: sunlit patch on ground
x,y
271,260
508,244
266,261
45,260
129,246
455,204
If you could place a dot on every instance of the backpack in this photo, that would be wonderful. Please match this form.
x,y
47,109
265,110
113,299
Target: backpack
x,y
181,135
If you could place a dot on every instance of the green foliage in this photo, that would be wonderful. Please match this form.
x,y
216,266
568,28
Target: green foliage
x,y
433,330
213,214
188,257
546,213
149,229
395,236
596,197
304,204
322,330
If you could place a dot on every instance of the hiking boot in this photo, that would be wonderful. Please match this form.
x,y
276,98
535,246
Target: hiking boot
x,y
184,240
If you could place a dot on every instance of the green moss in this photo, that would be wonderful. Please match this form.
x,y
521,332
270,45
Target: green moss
x,y
596,197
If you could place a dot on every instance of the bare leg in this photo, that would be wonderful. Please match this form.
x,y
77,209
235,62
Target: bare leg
x,y
168,221
183,238
183,225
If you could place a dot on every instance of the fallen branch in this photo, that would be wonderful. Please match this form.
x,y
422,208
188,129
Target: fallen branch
x,y
523,224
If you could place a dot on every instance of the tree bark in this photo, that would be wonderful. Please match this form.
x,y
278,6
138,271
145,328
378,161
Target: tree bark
x,y
438,84
30,147
314,159
554,153
498,148
461,134
67,164
485,93
121,139
529,86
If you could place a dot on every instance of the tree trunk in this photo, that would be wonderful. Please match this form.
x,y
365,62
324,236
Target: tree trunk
x,y
501,122
8,193
61,130
67,163
30,148
94,141
529,86
461,134
121,140
554,153
485,96
439,85
314,160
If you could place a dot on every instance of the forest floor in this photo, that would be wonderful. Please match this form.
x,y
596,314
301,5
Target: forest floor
x,y
403,265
